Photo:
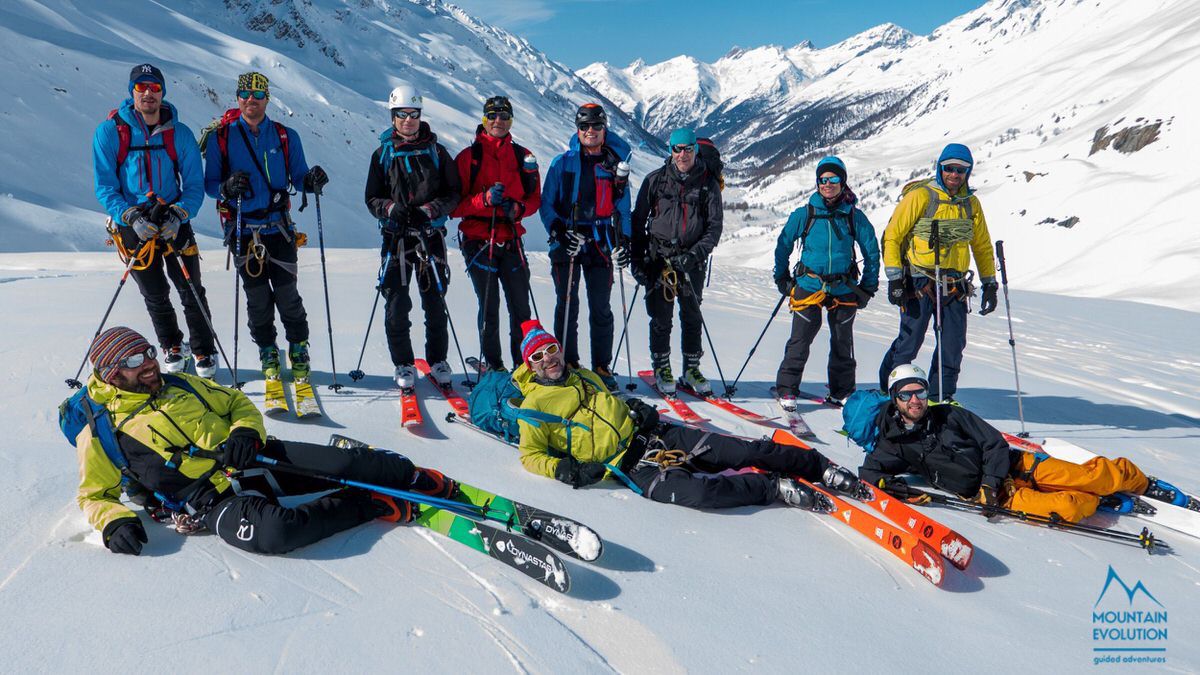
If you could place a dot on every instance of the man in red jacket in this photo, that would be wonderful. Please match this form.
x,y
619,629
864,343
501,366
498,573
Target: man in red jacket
x,y
500,185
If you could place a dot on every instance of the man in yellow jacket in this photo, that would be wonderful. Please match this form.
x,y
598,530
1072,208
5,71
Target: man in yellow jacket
x,y
933,232
573,429
189,445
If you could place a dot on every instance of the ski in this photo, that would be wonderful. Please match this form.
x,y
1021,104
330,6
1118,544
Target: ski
x,y
794,420
410,412
305,398
681,409
457,402
819,400
524,555
953,546
728,406
274,397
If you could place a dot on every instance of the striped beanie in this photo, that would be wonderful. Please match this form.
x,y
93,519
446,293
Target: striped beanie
x,y
113,345
535,338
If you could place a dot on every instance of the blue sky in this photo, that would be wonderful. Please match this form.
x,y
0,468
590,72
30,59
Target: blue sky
x,y
579,32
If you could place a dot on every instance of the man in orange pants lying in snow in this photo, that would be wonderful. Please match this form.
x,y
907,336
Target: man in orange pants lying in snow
x,y
956,451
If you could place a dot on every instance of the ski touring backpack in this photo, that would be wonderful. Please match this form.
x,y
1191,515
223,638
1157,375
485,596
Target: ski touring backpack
x,y
125,140
858,417
707,151
491,405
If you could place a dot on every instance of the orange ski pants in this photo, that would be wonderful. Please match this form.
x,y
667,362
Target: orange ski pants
x,y
1073,491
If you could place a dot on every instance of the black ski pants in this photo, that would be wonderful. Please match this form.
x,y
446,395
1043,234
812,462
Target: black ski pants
x,y
805,326
660,305
258,524
713,453
398,281
156,292
492,267
597,272
269,279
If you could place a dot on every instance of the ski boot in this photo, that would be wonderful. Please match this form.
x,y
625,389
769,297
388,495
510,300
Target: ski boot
x,y
393,509
442,374
1123,503
298,361
606,376
405,376
206,366
433,483
269,356
834,402
842,480
788,403
695,380
801,496
1165,492
175,358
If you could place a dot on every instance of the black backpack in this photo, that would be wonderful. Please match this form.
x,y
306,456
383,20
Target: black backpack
x,y
708,152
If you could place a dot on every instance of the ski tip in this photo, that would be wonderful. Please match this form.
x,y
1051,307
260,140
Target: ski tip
x,y
928,563
957,550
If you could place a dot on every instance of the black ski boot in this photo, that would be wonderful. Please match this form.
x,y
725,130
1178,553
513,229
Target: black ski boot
x,y
843,480
794,493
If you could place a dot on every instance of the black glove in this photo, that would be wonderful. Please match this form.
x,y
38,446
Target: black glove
x,y
241,447
900,489
645,416
639,275
684,262
578,474
315,180
896,291
513,210
785,285
864,298
157,211
988,499
988,304
237,185
125,536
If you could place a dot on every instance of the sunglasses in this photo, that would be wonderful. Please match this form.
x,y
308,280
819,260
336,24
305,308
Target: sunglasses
x,y
955,168
137,360
594,126
503,116
406,115
257,95
683,148
905,396
829,180
539,356
143,87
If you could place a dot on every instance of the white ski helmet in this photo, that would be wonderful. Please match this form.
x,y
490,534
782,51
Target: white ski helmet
x,y
405,96
906,374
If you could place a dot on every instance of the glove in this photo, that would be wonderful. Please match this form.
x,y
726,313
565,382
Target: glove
x,y
135,218
127,537
575,243
639,275
578,474
896,291
785,285
645,416
237,185
157,211
513,210
683,262
494,195
170,227
988,499
988,304
900,489
864,299
315,180
241,447
621,256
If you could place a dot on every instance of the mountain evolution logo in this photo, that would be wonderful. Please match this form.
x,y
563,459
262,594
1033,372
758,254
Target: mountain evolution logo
x,y
1123,633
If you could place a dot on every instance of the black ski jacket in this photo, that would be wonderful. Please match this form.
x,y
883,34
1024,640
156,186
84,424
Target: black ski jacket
x,y
953,448
677,213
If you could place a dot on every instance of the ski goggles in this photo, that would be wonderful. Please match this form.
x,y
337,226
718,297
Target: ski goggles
x,y
138,360
955,169
829,180
499,115
677,149
406,114
143,87
595,126
906,396
256,94
540,355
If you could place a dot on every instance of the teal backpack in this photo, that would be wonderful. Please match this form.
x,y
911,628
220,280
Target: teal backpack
x,y
491,408
858,417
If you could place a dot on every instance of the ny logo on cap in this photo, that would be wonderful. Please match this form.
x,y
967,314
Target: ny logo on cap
x,y
147,68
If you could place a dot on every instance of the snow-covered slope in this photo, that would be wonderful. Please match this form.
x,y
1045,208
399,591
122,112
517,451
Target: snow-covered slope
x,y
331,65
1079,114
768,589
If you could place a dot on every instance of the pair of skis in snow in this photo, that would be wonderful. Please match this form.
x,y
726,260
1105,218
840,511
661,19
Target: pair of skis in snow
x,y
304,397
410,409
529,541
685,412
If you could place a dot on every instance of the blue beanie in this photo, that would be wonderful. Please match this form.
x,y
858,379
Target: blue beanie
x,y
953,151
682,136
832,165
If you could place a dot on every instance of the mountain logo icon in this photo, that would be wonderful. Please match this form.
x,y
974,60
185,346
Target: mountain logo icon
x,y
1129,591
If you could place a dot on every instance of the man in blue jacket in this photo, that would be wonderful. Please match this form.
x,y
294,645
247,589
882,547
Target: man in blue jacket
x,y
825,276
585,209
250,161
149,180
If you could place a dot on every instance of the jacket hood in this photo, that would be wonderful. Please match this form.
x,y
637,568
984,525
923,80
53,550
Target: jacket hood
x,y
116,400
954,151
611,140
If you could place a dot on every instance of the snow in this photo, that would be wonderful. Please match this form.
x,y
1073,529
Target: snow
x,y
676,590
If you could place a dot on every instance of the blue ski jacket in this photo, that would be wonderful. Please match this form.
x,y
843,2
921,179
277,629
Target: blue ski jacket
x,y
267,148
561,191
829,248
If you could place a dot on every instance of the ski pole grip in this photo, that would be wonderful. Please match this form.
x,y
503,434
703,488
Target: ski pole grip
x,y
1003,267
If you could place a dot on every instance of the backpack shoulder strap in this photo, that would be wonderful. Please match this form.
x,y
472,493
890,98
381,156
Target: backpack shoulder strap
x,y
283,145
934,201
169,145
528,182
808,222
102,430
123,136
174,380
476,163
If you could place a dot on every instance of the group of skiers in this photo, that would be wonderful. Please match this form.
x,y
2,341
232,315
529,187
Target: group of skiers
x,y
194,447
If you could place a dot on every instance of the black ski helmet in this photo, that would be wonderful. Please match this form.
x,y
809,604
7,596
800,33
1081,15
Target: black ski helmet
x,y
590,113
497,104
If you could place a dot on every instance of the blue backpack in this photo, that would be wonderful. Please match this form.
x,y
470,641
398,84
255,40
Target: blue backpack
x,y
490,406
858,417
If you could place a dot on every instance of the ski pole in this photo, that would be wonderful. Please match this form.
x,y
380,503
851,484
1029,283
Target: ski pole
x,y
937,322
237,289
729,391
630,386
707,335
628,313
203,310
1011,340
357,374
441,288
74,382
528,276
487,291
325,284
